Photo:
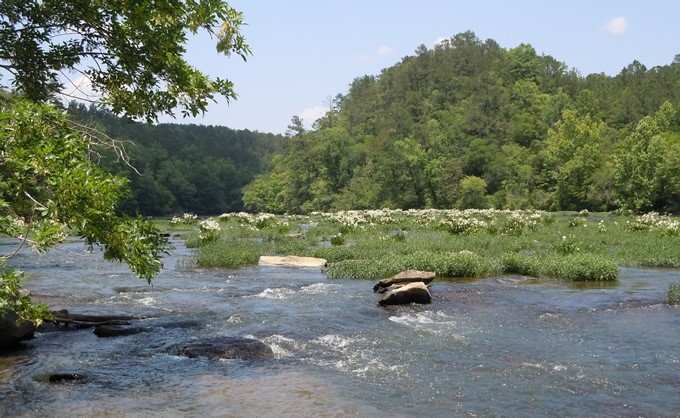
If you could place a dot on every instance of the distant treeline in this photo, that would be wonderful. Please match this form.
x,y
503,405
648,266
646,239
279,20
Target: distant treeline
x,y
182,168
471,124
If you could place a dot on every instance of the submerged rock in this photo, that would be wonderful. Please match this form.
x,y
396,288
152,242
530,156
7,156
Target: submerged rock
x,y
416,292
14,330
224,348
106,331
68,378
291,261
407,276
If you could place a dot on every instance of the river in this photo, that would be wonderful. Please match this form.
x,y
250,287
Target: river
x,y
500,346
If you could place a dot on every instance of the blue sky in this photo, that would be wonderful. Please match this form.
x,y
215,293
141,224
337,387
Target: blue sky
x,y
305,52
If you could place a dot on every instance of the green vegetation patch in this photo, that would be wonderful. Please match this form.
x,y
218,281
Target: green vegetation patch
x,y
378,244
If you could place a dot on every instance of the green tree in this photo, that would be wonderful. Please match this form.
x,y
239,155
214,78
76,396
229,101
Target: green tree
x,y
640,158
472,193
132,54
573,156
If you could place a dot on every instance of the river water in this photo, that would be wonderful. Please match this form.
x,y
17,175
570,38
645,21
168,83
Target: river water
x,y
501,346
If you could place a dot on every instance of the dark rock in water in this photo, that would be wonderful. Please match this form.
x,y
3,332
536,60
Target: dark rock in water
x,y
137,289
14,330
224,348
416,292
68,378
105,331
407,276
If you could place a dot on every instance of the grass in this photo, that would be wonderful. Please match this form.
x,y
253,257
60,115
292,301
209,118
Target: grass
x,y
376,244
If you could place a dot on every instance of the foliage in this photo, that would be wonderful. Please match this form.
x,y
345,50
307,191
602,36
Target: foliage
x,y
539,250
674,294
581,267
131,54
469,124
183,167
51,188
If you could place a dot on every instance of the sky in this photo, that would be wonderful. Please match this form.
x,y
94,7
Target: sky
x,y
306,52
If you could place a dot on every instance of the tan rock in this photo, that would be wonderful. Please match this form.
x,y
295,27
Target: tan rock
x,y
416,292
407,276
291,261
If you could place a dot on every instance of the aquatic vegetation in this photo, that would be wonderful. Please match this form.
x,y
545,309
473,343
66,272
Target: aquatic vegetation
x,y
454,243
674,294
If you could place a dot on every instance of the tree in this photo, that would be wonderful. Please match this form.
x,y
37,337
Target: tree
x,y
640,159
132,54
472,193
573,157
130,51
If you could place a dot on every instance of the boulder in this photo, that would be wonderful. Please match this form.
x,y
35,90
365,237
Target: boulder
x,y
291,261
224,348
408,276
14,330
415,292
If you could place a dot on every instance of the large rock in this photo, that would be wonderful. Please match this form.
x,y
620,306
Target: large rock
x,y
291,261
416,292
408,276
224,348
14,330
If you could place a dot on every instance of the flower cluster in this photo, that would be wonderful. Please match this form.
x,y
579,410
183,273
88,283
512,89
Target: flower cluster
x,y
567,245
209,230
257,221
463,225
653,221
186,219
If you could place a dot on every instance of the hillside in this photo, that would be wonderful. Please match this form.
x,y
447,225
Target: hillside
x,y
469,123
183,168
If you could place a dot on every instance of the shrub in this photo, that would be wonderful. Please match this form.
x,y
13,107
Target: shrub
x,y
520,264
581,267
230,254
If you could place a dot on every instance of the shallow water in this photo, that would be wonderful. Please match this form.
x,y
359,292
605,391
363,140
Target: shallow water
x,y
500,346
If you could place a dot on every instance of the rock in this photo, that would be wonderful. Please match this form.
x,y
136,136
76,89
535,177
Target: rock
x,y
68,378
224,348
416,292
14,330
291,261
105,331
408,276
137,289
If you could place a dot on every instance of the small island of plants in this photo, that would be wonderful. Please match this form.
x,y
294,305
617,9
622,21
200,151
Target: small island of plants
x,y
372,244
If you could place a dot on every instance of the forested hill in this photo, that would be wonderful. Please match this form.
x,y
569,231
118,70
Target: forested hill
x,y
184,168
469,123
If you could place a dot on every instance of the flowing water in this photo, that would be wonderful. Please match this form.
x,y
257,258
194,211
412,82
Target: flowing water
x,y
501,346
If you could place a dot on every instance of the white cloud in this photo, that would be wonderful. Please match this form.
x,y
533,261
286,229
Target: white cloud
x,y
617,25
79,88
385,50
441,39
310,114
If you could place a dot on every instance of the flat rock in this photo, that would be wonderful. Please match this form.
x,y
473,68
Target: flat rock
x,y
416,292
224,348
291,261
407,276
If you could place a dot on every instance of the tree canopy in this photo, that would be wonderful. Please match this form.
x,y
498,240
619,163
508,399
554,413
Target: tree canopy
x,y
470,123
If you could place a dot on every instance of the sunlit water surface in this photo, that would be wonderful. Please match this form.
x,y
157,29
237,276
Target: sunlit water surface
x,y
500,346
